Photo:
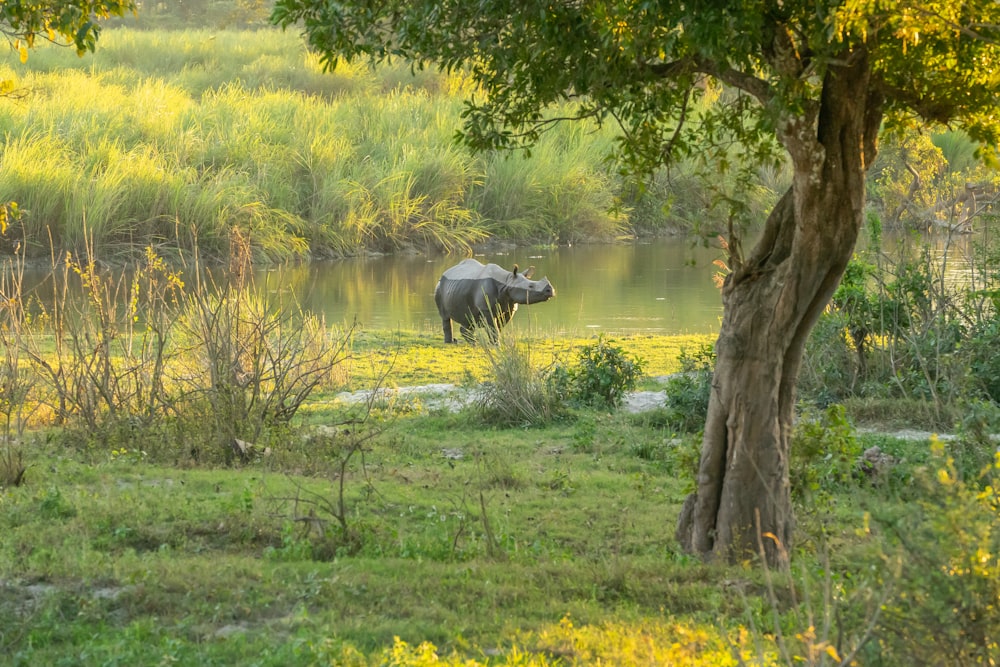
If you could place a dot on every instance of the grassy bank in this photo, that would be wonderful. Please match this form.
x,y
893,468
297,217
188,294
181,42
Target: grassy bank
x,y
163,135
420,359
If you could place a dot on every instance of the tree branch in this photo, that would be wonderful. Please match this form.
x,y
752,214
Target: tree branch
x,y
974,30
748,83
754,86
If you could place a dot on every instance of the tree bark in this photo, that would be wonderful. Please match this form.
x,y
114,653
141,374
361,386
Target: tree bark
x,y
771,301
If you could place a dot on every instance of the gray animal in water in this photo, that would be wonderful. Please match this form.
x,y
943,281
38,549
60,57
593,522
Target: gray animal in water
x,y
475,295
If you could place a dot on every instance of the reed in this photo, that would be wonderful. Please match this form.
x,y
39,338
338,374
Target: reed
x,y
214,130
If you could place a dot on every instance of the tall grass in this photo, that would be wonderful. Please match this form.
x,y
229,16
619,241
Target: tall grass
x,y
211,130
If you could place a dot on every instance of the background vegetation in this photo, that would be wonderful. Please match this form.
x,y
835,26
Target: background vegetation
x,y
165,136
182,480
167,132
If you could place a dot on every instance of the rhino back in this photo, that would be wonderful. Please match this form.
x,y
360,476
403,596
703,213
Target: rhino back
x,y
471,269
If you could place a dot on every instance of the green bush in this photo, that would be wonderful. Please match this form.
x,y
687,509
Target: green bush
x,y
947,560
602,376
825,451
974,447
686,404
906,328
984,361
830,365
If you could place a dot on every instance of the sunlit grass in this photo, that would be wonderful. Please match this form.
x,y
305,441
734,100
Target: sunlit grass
x,y
160,133
206,552
421,358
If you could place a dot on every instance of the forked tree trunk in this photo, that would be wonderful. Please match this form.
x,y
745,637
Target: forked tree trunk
x,y
771,302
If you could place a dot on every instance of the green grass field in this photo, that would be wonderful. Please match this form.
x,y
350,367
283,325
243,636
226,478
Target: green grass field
x,y
450,542
408,534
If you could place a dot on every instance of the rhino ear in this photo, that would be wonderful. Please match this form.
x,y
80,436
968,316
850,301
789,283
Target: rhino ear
x,y
529,272
515,271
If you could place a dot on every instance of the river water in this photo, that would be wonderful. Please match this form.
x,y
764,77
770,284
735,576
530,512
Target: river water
x,y
662,286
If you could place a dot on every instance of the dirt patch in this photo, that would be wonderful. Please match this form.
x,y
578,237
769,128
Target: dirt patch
x,y
454,398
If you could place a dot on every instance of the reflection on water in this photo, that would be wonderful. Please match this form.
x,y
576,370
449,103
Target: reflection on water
x,y
664,286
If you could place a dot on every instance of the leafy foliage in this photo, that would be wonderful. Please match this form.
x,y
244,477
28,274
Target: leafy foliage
x,y
825,453
640,65
931,182
73,21
903,325
948,560
688,392
601,377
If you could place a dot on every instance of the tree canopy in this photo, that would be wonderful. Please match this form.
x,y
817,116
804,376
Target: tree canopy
x,y
639,63
63,21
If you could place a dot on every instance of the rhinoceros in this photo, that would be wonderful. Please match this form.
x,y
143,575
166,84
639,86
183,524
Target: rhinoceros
x,y
476,295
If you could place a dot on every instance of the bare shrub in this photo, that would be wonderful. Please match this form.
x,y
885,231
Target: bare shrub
x,y
102,355
251,361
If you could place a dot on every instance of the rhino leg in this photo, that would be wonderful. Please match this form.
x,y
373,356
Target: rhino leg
x,y
446,325
481,321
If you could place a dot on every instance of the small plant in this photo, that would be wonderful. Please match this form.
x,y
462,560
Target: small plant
x,y
53,505
825,451
687,392
819,621
12,466
16,383
323,518
604,373
294,546
105,377
947,562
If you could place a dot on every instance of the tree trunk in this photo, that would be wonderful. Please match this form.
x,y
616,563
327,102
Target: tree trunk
x,y
771,302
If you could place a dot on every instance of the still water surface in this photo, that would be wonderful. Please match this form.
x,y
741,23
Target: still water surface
x,y
662,286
